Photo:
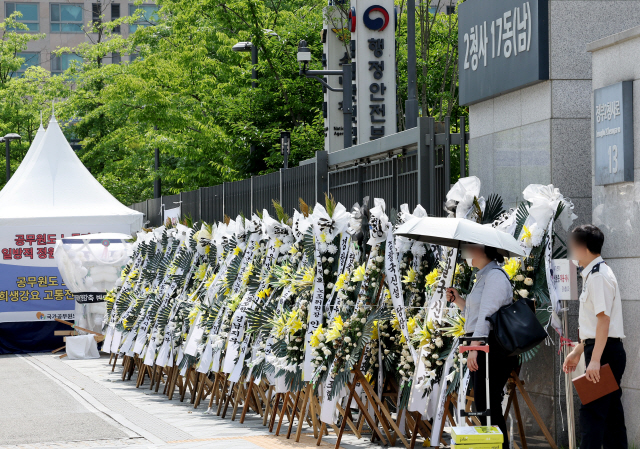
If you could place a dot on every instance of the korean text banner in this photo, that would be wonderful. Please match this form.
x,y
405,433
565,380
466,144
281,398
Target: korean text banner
x,y
31,288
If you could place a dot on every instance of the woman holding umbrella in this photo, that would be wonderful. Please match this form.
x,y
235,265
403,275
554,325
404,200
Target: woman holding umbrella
x,y
492,290
484,247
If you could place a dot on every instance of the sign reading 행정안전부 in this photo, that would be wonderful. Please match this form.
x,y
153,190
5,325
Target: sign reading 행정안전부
x,y
374,35
503,45
613,133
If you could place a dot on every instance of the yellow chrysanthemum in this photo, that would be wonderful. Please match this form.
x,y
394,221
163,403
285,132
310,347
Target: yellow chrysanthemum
x,y
293,322
279,325
512,266
395,324
133,274
526,234
323,237
277,243
192,315
411,325
457,327
247,273
432,277
207,249
201,272
341,281
410,277
315,337
264,294
358,274
293,250
335,329
374,333
234,302
309,275
423,334
237,250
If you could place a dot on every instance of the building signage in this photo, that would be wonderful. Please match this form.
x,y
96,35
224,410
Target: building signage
x,y
335,43
613,133
375,56
503,45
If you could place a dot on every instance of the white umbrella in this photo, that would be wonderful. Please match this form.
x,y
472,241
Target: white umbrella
x,y
453,231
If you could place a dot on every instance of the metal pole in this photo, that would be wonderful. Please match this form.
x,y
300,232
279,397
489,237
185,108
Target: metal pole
x,y
254,79
254,64
411,105
7,142
156,182
568,386
347,103
286,159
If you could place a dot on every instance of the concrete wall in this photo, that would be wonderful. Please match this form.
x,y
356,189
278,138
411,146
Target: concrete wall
x,y
542,134
616,210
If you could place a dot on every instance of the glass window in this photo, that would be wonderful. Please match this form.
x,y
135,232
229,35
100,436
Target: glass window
x,y
116,58
149,16
61,63
66,18
115,14
96,12
30,59
29,12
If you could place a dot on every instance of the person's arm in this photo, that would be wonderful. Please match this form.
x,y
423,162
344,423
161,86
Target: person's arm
x,y
454,296
602,334
601,295
573,358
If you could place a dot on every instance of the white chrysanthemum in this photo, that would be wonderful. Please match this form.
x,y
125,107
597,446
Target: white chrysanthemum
x,y
417,249
332,249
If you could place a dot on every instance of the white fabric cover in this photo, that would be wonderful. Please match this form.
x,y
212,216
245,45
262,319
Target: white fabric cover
x,y
82,347
53,185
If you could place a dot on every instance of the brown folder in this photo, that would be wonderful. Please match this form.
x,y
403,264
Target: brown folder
x,y
589,391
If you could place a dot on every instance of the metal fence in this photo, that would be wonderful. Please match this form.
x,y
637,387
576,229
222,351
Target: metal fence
x,y
410,167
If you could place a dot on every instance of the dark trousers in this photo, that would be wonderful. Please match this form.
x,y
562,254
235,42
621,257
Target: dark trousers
x,y
602,421
500,368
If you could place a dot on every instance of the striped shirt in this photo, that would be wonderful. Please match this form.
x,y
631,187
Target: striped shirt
x,y
491,291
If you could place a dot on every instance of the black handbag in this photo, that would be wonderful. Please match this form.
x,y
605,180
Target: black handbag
x,y
516,328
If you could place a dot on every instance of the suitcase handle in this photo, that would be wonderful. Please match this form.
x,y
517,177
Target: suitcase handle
x,y
483,348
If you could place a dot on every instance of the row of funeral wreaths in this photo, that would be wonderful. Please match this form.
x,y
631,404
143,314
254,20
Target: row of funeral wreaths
x,y
308,298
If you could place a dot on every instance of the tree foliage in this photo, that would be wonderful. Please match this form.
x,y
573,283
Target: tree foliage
x,y
181,89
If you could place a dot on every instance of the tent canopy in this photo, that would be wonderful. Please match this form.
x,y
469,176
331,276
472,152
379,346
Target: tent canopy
x,y
53,184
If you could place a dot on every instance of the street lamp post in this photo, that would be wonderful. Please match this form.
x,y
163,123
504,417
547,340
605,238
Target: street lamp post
x,y
285,146
248,46
304,57
7,142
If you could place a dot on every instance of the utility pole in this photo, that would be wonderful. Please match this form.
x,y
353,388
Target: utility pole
x,y
411,105
157,190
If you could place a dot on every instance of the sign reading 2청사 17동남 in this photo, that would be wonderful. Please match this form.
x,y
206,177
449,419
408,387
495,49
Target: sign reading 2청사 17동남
x,y
613,133
503,45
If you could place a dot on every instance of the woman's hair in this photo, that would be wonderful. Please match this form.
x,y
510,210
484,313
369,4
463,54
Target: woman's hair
x,y
493,254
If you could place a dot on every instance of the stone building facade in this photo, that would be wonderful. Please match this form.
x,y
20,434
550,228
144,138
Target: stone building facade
x,y
543,134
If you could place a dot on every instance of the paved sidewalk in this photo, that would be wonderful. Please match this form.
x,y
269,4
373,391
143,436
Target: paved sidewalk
x,y
62,403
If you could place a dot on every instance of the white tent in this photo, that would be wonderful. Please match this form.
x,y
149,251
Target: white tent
x,y
53,184
50,196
